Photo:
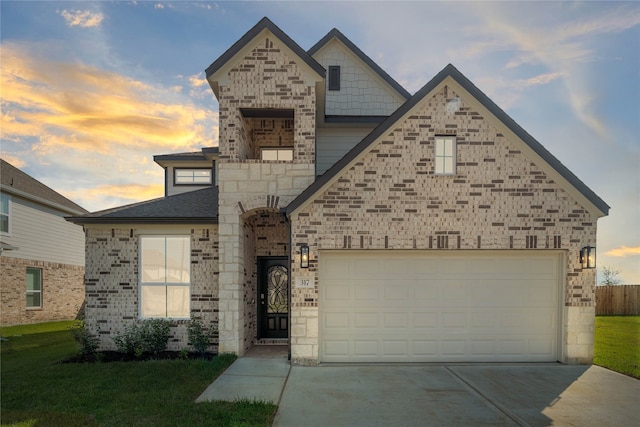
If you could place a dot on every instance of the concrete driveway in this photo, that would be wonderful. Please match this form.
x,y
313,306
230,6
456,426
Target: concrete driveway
x,y
458,395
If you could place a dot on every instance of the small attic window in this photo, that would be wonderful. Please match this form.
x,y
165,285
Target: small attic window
x,y
334,77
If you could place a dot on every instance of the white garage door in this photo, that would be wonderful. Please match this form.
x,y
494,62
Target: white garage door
x,y
426,306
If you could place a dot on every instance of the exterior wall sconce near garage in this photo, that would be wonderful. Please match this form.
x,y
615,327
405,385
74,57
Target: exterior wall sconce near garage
x,y
588,257
304,256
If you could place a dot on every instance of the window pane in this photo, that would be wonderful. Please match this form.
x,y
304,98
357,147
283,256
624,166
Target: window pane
x,y
154,301
34,279
178,299
152,264
4,223
269,155
448,165
33,299
286,155
178,260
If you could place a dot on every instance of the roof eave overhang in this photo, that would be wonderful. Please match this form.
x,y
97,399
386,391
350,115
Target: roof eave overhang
x,y
10,190
137,220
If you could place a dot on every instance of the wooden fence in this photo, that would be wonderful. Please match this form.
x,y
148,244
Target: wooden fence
x,y
623,300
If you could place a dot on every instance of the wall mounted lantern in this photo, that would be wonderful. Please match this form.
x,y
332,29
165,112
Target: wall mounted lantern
x,y
304,256
588,257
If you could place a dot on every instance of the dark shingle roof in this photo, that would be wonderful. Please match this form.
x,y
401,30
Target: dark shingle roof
x,y
450,71
264,23
193,207
15,181
360,54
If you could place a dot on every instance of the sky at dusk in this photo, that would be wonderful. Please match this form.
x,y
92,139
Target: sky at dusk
x,y
91,91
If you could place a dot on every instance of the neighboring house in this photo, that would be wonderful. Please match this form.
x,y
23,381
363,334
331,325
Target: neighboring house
x,y
354,221
42,255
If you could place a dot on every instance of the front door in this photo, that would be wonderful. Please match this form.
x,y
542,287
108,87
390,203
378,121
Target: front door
x,y
273,297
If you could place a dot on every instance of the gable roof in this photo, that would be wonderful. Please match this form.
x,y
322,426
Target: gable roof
x,y
264,23
387,125
192,207
335,33
13,180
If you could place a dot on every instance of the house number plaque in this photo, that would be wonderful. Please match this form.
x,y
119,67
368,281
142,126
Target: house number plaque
x,y
304,282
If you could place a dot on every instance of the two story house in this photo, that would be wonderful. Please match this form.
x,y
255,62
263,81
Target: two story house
x,y
41,254
354,222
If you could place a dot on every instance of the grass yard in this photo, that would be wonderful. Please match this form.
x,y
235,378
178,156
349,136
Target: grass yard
x,y
38,390
617,344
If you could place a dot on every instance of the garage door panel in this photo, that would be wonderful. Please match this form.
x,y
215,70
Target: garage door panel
x,y
469,307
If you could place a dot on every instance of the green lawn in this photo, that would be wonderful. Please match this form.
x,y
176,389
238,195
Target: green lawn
x,y
38,390
617,344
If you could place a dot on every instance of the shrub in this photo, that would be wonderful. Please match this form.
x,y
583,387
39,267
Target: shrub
x,y
87,342
150,336
199,336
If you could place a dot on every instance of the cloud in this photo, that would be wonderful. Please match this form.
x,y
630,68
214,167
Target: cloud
x,y
120,193
79,126
624,251
13,160
561,48
542,79
62,104
82,18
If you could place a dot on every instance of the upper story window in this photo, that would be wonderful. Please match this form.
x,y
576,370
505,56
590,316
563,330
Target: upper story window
x,y
192,176
281,154
334,77
4,213
445,155
165,277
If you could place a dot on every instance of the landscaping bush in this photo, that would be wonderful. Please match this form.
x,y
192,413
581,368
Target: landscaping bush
x,y
199,335
87,342
150,336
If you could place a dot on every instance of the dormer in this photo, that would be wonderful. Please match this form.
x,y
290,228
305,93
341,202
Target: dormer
x,y
185,172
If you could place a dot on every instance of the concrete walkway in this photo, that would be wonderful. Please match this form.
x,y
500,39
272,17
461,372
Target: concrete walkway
x,y
250,378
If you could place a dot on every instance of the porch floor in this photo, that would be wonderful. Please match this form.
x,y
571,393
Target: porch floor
x,y
268,351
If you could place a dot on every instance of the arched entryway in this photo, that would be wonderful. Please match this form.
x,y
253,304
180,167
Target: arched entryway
x,y
266,284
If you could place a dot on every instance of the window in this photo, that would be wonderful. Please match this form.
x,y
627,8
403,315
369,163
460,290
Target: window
x,y
445,155
34,288
334,77
282,154
195,176
165,276
4,213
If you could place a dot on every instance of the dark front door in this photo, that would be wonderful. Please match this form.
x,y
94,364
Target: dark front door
x,y
273,297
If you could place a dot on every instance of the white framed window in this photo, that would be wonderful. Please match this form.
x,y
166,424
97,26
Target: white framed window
x,y
281,154
34,287
192,176
445,155
5,216
165,277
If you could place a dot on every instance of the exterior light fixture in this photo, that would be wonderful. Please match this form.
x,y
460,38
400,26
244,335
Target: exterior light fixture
x,y
588,257
304,256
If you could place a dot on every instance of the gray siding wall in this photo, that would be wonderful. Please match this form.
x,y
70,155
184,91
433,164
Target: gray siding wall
x,y
333,143
42,234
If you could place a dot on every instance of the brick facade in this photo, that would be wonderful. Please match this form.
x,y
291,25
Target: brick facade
x,y
391,199
112,280
268,77
62,291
